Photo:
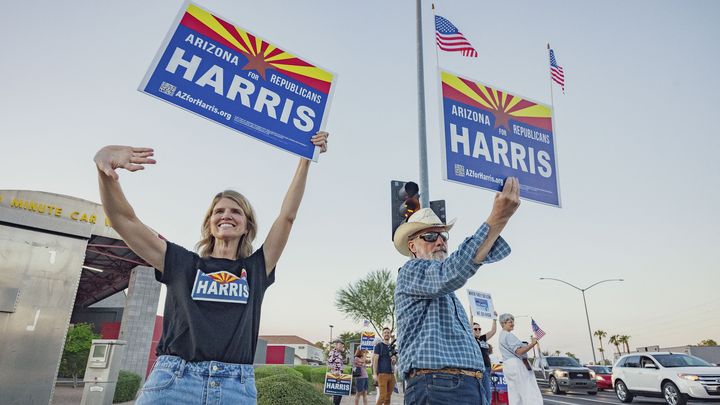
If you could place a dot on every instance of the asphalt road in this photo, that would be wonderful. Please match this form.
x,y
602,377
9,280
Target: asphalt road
x,y
602,397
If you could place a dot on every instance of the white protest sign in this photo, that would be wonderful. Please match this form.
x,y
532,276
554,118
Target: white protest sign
x,y
481,304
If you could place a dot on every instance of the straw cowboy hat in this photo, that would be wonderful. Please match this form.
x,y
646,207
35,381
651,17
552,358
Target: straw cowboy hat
x,y
423,219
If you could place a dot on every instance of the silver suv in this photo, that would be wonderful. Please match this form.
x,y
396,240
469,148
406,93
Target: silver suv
x,y
676,377
564,374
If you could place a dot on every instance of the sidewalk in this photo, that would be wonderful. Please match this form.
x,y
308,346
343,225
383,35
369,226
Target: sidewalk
x,y
67,395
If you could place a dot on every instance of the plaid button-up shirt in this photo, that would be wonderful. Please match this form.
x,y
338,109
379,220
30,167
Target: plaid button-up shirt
x,y
433,328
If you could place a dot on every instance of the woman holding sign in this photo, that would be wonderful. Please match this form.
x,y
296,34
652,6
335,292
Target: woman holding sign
x,y
360,376
212,308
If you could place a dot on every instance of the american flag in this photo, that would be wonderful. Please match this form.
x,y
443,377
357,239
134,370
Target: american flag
x,y
450,39
539,333
556,71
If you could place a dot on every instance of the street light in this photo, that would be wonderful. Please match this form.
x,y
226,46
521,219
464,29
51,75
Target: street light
x,y
330,334
582,290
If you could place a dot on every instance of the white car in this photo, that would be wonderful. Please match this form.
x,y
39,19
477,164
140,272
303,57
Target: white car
x,y
676,377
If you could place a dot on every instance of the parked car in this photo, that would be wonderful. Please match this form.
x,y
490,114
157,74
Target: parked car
x,y
602,376
676,377
564,374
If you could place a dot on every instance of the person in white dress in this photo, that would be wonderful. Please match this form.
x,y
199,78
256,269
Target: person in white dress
x,y
521,383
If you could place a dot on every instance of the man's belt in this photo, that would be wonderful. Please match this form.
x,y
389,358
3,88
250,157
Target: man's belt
x,y
453,371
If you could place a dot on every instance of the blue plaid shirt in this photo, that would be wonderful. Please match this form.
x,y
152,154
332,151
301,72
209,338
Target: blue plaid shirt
x,y
433,328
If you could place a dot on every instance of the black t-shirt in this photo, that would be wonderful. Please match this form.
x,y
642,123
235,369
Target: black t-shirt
x,y
384,362
482,342
212,308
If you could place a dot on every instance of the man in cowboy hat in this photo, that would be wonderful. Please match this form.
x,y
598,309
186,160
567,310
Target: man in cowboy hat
x,y
435,344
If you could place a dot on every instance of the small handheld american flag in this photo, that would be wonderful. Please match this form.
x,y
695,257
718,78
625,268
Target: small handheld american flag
x,y
450,39
539,333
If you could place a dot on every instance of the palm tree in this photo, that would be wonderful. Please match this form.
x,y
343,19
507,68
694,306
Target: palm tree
x,y
625,340
615,340
600,335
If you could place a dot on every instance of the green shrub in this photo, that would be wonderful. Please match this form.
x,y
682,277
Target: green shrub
x,y
76,350
288,389
305,370
318,375
127,386
267,371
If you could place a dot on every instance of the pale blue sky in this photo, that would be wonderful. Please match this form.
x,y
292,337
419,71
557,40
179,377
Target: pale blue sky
x,y
637,149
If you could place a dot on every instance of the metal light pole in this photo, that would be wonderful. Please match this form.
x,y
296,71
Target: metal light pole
x,y
422,142
330,334
582,290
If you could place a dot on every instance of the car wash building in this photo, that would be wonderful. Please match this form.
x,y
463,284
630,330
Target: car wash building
x,y
59,259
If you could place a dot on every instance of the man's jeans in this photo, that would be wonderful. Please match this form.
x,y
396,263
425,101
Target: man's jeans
x,y
486,387
444,389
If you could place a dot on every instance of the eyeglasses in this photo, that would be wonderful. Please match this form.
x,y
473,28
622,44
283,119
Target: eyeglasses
x,y
476,329
433,236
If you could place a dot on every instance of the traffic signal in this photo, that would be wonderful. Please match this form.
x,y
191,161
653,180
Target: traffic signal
x,y
404,201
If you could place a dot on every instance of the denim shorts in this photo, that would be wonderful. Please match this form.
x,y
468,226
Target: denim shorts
x,y
174,381
361,384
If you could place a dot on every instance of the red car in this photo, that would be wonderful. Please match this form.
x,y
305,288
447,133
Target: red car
x,y
603,376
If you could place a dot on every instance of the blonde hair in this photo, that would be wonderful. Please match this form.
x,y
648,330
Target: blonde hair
x,y
207,243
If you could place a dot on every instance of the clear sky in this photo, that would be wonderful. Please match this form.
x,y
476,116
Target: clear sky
x,y
636,146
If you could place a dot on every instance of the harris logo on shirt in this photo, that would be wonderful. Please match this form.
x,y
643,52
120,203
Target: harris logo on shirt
x,y
221,286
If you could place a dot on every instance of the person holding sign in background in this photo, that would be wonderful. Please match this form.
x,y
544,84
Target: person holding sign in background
x,y
360,376
481,340
439,358
335,364
521,383
214,298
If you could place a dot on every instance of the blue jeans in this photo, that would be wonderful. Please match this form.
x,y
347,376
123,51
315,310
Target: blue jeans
x,y
174,381
443,389
486,387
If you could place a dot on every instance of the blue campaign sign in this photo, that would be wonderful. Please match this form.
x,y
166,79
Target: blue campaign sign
x,y
499,383
228,75
337,384
367,341
489,135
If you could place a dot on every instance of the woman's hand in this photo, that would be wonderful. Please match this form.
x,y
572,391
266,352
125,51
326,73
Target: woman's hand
x,y
320,139
113,157
533,341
